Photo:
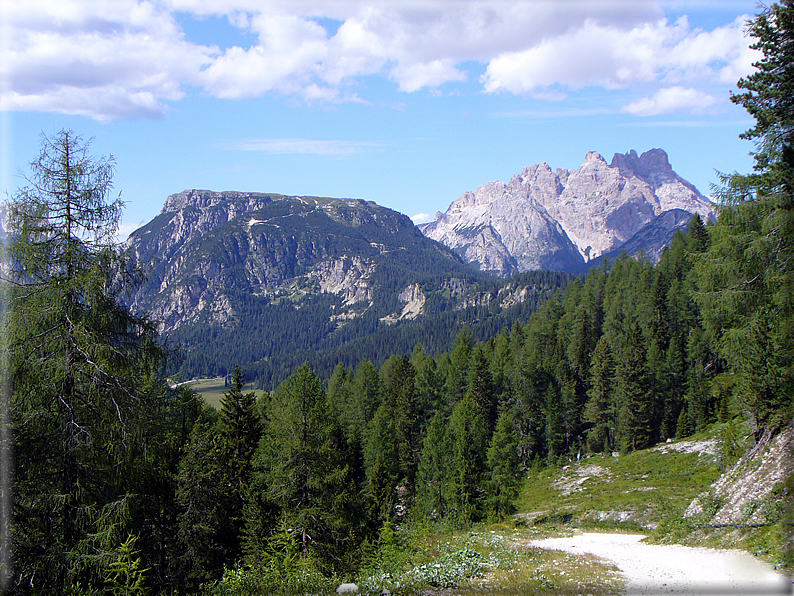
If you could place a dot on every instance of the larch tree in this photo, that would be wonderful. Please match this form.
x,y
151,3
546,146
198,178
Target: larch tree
x,y
79,360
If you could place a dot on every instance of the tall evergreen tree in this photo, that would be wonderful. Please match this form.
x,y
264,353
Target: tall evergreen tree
x,y
304,469
241,431
481,387
394,442
207,531
600,408
747,275
431,475
634,400
468,441
79,364
504,466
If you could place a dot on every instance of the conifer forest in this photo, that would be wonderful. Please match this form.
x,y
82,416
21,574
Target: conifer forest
x,y
123,484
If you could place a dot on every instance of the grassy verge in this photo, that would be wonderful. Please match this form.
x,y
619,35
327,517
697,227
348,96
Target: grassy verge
x,y
496,560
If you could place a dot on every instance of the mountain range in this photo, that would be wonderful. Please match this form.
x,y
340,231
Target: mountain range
x,y
269,281
564,219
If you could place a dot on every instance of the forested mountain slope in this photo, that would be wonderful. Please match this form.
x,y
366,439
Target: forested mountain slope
x,y
269,281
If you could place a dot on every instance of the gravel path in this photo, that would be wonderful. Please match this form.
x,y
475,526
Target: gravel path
x,y
669,569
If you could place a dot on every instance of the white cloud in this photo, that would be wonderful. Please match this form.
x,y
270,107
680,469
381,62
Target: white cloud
x,y
416,76
607,56
421,218
671,99
125,229
120,61
302,146
111,59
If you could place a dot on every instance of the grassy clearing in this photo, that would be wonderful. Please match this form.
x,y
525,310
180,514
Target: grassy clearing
x,y
212,390
649,491
635,490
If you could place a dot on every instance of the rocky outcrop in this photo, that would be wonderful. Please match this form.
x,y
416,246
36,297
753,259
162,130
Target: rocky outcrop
x,y
563,219
414,299
752,492
347,277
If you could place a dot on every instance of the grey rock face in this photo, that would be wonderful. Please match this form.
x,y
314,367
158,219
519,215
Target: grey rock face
x,y
562,219
206,245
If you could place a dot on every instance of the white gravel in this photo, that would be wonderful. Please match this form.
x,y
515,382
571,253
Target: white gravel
x,y
670,569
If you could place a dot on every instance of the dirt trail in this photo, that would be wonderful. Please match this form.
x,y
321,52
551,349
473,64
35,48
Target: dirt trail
x,y
670,569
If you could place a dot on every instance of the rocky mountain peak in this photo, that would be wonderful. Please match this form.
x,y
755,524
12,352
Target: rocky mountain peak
x,y
562,219
594,157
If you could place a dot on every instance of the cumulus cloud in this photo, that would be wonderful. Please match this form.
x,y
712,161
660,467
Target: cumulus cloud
x,y
671,99
110,59
122,60
605,55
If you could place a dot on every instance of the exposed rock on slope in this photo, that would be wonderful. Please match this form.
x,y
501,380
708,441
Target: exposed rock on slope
x,y
562,219
205,248
751,492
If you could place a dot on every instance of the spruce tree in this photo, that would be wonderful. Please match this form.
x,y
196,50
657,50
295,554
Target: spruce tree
x,y
634,400
481,387
468,441
241,431
504,466
304,470
431,474
600,408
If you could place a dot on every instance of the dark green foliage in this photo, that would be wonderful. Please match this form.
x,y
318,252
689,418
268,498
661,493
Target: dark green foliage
x,y
505,467
304,468
632,393
208,530
213,485
431,476
394,442
600,409
93,452
481,387
241,431
747,274
468,439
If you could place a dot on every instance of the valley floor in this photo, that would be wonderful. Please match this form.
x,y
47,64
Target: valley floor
x,y
672,569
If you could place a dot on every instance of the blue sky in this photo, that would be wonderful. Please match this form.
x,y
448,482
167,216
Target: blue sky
x,y
408,103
